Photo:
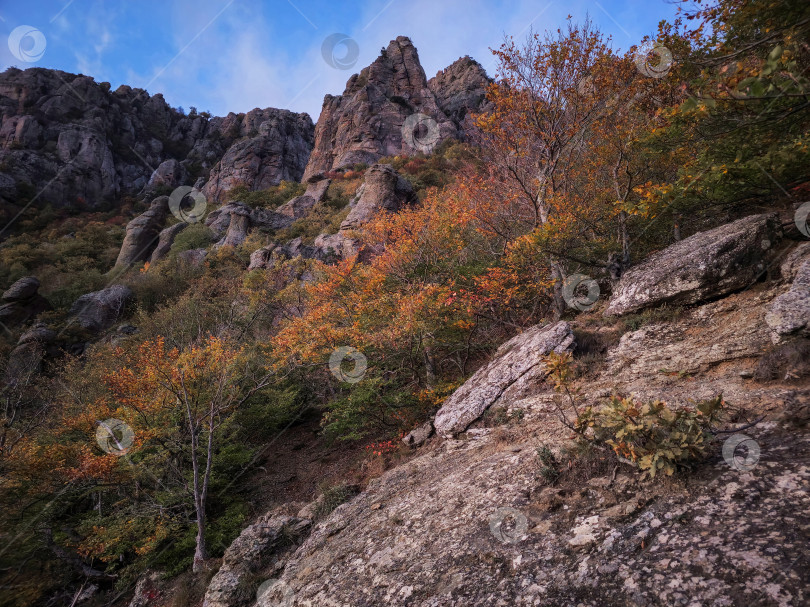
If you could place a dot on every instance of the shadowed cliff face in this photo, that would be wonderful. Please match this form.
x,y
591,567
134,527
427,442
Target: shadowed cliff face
x,y
366,122
69,140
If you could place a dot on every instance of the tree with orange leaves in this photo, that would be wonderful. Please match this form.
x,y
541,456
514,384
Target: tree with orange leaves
x,y
204,385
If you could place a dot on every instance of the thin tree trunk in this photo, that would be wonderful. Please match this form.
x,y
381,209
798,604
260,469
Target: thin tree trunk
x,y
200,551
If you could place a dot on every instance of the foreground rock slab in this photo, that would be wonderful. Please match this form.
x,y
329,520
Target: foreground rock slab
x,y
704,266
518,361
248,552
789,315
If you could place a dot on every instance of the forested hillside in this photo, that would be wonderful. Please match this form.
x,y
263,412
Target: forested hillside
x,y
175,366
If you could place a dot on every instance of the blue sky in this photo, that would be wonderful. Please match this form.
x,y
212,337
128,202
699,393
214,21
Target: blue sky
x,y
234,55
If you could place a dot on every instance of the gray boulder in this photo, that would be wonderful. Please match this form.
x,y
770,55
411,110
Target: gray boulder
x,y
166,240
100,310
261,258
169,173
383,190
789,314
301,205
515,365
143,233
249,552
699,268
193,258
23,302
24,288
418,436
39,333
793,261
232,222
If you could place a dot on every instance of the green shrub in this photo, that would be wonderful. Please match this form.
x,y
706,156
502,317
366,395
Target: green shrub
x,y
549,466
270,198
195,236
652,436
332,497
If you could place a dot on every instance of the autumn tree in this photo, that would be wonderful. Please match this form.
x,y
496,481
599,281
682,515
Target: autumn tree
x,y
203,386
741,130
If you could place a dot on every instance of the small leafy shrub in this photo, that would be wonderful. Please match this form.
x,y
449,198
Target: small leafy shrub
x,y
652,436
332,497
549,466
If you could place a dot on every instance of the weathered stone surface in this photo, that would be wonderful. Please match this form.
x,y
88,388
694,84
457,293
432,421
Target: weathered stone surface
x,y
24,288
24,303
249,552
39,333
365,122
233,221
147,590
301,205
91,145
721,536
143,233
418,436
100,310
460,89
383,190
166,240
793,261
169,174
789,315
193,258
260,258
704,266
516,361
278,150
610,544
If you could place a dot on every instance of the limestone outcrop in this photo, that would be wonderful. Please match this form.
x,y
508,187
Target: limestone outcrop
x,y
704,266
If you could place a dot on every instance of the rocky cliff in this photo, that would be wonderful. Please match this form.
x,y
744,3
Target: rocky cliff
x,y
70,141
390,108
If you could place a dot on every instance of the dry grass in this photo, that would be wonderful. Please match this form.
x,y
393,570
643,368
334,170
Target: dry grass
x,y
788,362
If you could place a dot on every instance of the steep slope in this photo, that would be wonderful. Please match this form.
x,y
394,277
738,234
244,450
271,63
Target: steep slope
x,y
475,520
